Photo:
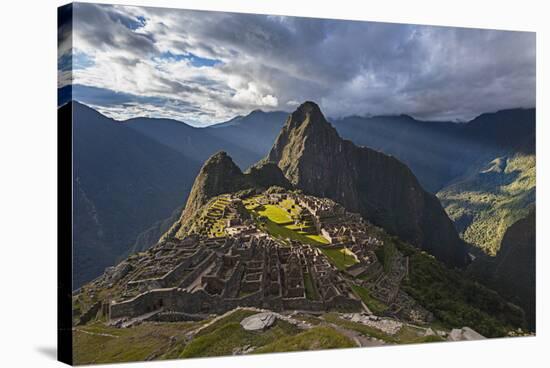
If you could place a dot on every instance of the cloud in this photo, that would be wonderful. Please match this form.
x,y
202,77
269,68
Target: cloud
x,y
228,64
251,96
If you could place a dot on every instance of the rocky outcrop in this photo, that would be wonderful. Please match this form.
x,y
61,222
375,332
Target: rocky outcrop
x,y
315,159
464,334
267,174
259,322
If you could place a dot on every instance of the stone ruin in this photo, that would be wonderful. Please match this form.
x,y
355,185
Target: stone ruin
x,y
199,275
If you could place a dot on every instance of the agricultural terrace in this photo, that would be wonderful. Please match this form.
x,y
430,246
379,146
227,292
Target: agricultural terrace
x,y
342,258
285,220
213,220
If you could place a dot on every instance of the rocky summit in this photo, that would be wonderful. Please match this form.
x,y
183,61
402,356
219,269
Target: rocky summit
x,y
315,159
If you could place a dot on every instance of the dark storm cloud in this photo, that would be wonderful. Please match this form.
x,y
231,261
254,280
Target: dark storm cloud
x,y
349,67
105,27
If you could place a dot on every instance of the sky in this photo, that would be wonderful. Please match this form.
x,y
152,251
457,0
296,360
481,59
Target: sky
x,y
207,67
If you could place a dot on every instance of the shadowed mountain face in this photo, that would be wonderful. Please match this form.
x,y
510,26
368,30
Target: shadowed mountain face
x,y
315,159
124,182
513,271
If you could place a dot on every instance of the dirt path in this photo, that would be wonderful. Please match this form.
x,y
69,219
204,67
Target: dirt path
x,y
96,333
356,337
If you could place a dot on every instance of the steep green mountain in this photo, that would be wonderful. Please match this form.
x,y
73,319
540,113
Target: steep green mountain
x,y
483,205
439,152
220,175
315,159
124,183
513,271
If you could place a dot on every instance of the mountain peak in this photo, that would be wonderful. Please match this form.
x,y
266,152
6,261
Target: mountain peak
x,y
308,107
218,157
308,112
218,175
306,132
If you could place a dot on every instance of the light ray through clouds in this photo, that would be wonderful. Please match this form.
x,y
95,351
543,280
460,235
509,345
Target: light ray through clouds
x,y
206,67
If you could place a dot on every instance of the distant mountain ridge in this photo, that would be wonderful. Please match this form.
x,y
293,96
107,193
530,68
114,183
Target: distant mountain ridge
x,y
439,152
436,152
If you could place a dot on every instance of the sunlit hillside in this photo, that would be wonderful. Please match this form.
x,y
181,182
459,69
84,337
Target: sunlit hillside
x,y
485,204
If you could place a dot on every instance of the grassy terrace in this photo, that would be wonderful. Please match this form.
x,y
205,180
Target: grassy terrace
x,y
386,253
97,343
211,222
278,222
374,305
218,227
342,258
315,339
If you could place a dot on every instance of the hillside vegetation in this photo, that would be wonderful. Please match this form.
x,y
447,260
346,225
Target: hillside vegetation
x,y
486,203
454,299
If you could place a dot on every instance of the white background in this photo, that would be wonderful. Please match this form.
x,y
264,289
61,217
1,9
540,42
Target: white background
x,y
28,181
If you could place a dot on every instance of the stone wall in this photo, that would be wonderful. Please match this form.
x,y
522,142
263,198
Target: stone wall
x,y
90,313
192,276
343,303
141,304
182,301
172,276
303,304
176,274
200,302
233,283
